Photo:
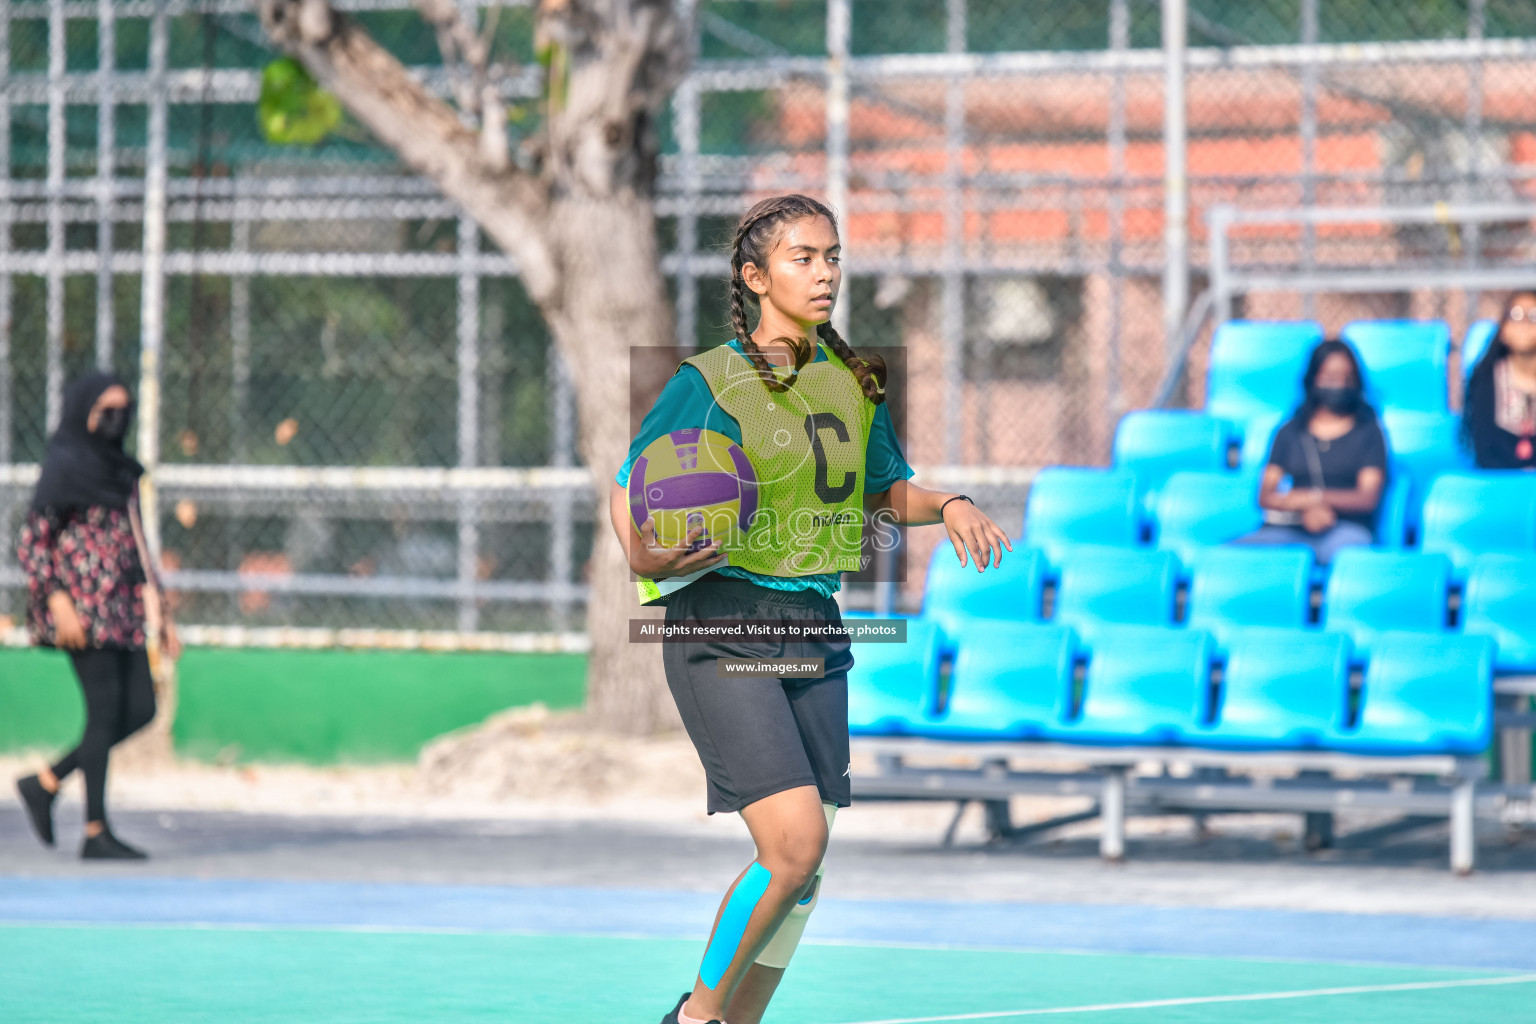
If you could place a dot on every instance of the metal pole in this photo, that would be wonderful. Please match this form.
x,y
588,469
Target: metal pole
x,y
152,311
240,396
1112,814
1220,219
839,30
106,152
685,120
8,505
1175,180
952,328
562,453
57,141
1472,236
6,413
1463,827
1309,75
240,348
1119,42
685,109
468,324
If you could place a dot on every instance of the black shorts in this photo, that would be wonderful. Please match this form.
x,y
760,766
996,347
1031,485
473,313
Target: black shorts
x,y
760,735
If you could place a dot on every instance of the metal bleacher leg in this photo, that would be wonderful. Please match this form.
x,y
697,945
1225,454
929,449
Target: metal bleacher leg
x,y
1112,814
1317,826
1463,838
1317,830
1514,744
954,823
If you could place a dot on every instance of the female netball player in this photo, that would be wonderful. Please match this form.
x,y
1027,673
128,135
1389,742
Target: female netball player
x,y
821,441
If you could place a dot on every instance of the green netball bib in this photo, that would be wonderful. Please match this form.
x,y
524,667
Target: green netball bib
x,y
808,446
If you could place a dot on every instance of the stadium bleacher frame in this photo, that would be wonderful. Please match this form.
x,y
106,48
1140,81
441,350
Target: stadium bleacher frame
x,y
1214,304
1419,786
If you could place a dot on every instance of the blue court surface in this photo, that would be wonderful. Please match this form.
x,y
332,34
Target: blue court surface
x,y
241,952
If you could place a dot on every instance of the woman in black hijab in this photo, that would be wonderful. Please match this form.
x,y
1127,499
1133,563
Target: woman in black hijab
x,y
89,588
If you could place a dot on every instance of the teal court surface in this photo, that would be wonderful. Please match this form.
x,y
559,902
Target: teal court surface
x,y
160,950
245,918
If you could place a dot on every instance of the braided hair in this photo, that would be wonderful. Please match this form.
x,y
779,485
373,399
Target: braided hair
x,y
756,236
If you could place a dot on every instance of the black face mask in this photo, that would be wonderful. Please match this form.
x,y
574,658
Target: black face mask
x,y
1340,400
112,424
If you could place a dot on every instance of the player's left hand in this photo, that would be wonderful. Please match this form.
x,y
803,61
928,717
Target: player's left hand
x,y
972,531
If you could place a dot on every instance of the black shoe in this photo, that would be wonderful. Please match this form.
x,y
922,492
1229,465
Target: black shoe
x,y
106,846
39,804
671,1018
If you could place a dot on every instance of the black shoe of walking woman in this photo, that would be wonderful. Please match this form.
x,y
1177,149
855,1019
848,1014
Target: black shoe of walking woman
x,y
106,846
671,1018
39,804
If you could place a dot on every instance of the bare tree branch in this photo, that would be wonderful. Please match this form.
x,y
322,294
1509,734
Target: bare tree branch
x,y
625,58
459,45
495,148
476,81
424,131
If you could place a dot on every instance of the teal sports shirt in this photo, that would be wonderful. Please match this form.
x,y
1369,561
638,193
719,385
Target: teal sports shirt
x,y
687,402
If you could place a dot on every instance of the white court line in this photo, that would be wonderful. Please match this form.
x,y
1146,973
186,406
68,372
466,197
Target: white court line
x,y
1412,986
86,924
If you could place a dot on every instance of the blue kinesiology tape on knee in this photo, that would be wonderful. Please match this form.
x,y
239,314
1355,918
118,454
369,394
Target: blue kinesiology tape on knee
x,y
733,923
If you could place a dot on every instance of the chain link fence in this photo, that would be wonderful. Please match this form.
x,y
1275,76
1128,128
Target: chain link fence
x,y
363,424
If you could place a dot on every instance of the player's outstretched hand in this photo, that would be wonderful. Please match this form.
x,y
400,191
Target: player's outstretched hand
x,y
654,560
972,529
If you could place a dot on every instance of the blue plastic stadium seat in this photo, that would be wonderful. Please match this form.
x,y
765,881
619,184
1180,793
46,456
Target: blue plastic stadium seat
x,y
1070,505
1467,514
1500,602
1149,686
1479,336
1405,362
1425,694
1258,436
1396,515
1256,367
1234,587
1010,680
892,686
1424,444
1282,689
1156,443
1008,590
1197,511
1370,592
1101,589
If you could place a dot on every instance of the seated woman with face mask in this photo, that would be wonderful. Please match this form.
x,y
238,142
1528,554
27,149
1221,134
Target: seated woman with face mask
x,y
1335,455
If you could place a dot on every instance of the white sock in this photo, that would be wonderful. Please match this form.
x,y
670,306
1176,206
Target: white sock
x,y
683,1018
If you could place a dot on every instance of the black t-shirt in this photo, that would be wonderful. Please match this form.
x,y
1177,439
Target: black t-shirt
x,y
1340,459
1492,445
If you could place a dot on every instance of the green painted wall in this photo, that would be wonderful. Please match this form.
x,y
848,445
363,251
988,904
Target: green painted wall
x,y
314,706
40,705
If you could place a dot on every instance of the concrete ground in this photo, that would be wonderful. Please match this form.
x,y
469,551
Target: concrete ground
x,y
1250,861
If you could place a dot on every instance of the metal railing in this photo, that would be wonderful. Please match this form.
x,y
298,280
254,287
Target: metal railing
x,y
915,149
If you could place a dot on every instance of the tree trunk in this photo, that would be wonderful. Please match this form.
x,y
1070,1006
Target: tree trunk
x,y
601,316
581,227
